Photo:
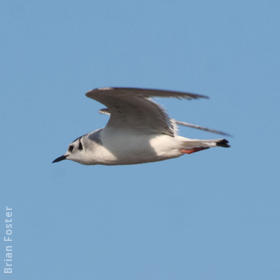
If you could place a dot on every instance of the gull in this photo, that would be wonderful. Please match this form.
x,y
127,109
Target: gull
x,y
138,131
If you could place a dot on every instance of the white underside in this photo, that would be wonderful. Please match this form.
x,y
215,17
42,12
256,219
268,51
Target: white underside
x,y
130,148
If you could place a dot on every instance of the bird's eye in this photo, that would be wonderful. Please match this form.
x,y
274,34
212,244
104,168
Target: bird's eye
x,y
70,149
80,147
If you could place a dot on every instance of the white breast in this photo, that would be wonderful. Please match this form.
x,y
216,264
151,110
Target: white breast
x,y
127,148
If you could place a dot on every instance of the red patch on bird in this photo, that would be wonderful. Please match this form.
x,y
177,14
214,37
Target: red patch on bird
x,y
193,150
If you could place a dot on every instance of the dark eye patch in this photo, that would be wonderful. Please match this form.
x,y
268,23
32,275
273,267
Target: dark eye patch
x,y
70,149
80,147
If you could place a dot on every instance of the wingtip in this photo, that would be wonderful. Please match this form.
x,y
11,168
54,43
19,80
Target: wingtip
x,y
203,96
190,95
98,89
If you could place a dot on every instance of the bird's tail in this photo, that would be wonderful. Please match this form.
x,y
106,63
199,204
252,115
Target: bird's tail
x,y
194,145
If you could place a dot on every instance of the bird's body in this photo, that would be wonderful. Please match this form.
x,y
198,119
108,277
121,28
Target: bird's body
x,y
126,148
138,131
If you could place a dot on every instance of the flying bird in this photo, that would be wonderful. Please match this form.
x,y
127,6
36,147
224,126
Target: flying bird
x,y
138,131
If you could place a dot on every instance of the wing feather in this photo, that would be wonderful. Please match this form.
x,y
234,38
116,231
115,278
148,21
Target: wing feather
x,y
202,128
132,108
146,92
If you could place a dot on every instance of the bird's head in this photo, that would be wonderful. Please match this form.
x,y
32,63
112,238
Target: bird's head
x,y
74,152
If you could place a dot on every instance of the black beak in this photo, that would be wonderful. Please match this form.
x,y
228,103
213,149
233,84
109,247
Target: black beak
x,y
59,158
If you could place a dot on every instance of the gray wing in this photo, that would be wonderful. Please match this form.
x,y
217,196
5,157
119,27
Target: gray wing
x,y
105,111
201,128
132,108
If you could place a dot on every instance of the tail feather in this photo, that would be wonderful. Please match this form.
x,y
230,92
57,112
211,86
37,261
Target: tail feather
x,y
197,143
223,143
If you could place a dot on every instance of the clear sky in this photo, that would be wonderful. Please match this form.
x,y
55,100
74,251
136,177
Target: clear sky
x,y
211,215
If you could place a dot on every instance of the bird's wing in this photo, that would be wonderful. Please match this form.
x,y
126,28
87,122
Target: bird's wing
x,y
105,111
201,128
132,108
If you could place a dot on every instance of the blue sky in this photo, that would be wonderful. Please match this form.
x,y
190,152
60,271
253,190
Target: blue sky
x,y
209,215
